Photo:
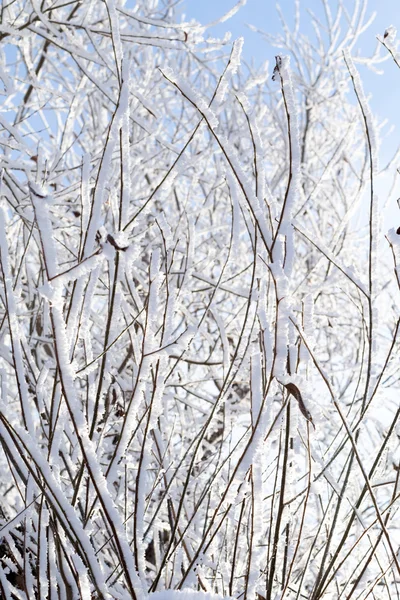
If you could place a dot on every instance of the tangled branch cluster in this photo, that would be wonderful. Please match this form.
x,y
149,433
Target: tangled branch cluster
x,y
196,381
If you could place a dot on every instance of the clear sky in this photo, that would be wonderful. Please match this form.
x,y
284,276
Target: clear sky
x,y
384,90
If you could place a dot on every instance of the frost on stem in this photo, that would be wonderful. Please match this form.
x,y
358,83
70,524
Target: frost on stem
x,y
231,69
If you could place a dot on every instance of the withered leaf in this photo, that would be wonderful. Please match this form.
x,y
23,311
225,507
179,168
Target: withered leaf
x,y
278,64
295,392
112,241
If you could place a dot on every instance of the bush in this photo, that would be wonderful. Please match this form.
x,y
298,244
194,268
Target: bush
x,y
197,387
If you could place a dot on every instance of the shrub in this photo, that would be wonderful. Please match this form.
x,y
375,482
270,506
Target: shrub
x,y
196,382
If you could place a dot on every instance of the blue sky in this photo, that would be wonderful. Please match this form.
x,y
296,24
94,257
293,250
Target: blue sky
x,y
384,90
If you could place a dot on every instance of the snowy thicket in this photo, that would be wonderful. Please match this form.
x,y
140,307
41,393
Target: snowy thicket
x,y
198,324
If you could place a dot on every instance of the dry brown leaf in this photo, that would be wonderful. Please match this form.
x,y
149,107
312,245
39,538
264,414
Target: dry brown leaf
x,y
295,392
